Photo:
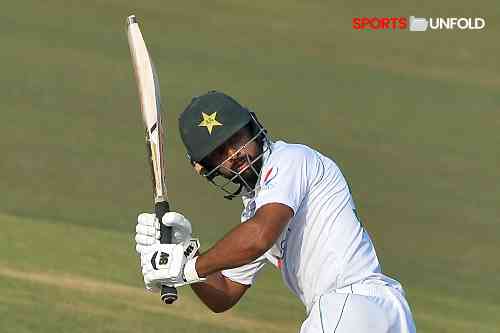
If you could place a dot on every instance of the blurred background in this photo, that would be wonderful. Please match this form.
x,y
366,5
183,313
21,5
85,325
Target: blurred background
x,y
412,118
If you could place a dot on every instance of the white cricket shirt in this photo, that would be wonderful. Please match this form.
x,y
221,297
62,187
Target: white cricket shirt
x,y
324,246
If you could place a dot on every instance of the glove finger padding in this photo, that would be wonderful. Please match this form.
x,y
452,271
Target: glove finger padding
x,y
143,243
181,226
145,240
140,249
147,230
147,219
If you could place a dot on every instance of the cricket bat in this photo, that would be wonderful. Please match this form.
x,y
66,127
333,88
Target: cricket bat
x,y
149,95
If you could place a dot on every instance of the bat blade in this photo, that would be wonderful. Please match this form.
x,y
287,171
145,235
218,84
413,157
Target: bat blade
x,y
145,73
149,95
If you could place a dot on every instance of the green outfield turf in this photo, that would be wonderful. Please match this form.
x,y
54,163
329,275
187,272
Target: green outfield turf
x,y
412,118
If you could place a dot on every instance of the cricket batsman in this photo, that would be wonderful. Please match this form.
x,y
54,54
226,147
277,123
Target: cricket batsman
x,y
298,214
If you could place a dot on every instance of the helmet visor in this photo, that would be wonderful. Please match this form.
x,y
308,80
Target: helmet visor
x,y
242,177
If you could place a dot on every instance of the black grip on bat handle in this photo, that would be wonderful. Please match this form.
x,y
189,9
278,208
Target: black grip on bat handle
x,y
168,294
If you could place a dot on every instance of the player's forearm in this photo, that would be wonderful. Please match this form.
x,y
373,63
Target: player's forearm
x,y
215,293
246,242
241,246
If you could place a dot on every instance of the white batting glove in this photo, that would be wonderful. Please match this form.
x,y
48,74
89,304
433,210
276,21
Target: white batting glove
x,y
170,264
181,227
148,229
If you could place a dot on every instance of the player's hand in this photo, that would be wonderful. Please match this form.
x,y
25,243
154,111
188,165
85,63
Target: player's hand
x,y
170,264
181,227
148,229
147,232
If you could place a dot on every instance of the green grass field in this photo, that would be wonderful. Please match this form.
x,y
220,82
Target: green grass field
x,y
410,117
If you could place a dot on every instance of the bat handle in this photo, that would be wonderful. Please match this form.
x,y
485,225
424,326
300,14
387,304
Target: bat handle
x,y
168,294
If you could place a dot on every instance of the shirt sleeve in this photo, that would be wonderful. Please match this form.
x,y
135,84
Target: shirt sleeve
x,y
284,179
246,274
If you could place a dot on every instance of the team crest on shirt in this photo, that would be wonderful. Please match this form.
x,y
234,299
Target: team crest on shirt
x,y
269,175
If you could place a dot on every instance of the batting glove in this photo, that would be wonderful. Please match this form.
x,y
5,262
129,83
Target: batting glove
x,y
148,229
170,264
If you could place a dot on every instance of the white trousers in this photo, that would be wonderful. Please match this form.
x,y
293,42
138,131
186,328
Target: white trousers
x,y
360,308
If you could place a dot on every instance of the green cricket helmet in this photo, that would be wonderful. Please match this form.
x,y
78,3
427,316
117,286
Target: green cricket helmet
x,y
207,123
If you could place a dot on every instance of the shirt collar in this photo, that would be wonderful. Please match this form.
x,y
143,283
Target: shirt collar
x,y
265,156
